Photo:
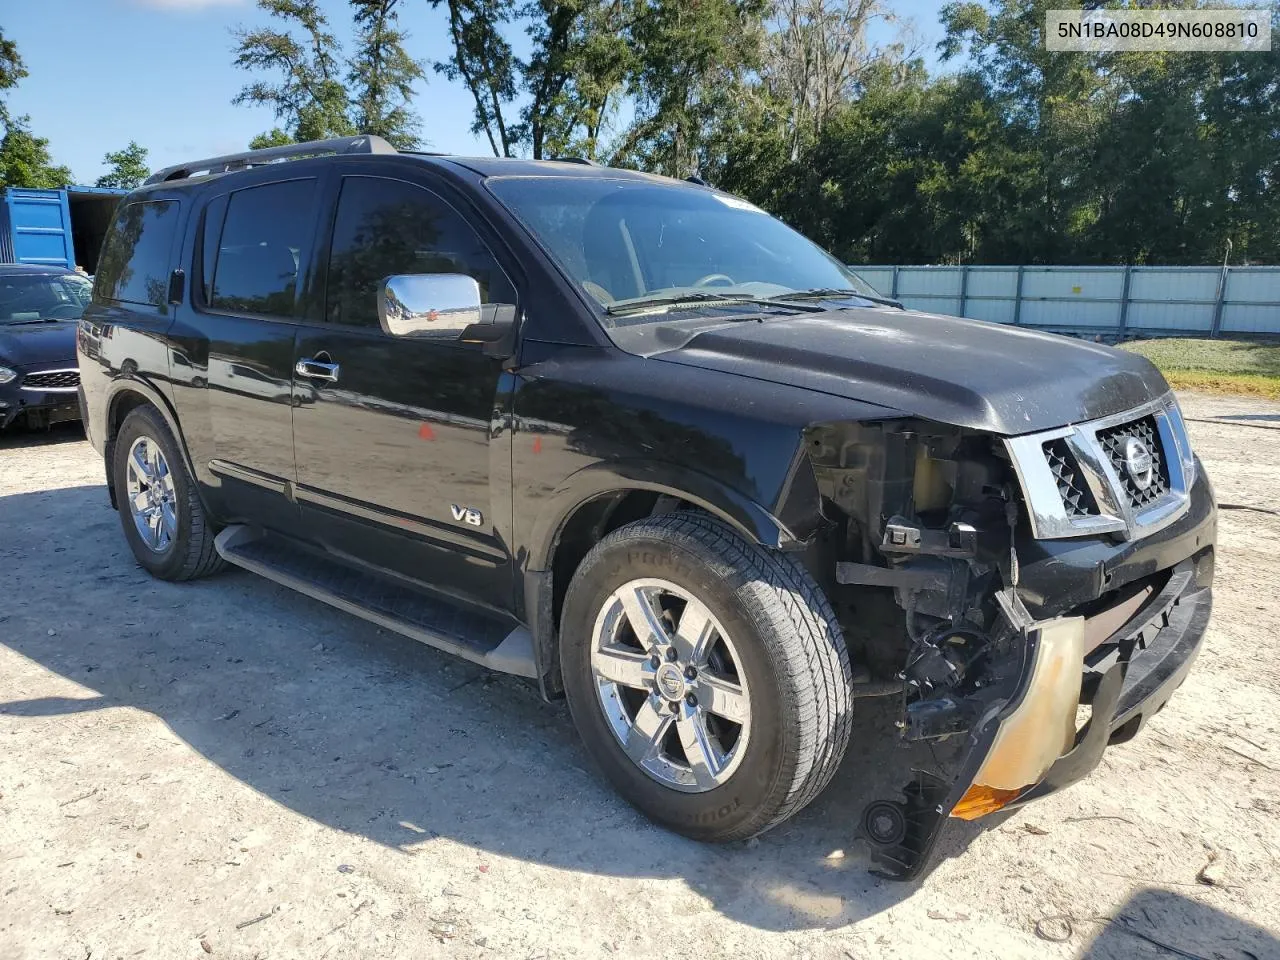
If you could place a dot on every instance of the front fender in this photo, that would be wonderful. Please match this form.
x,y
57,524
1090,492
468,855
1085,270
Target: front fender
x,y
748,517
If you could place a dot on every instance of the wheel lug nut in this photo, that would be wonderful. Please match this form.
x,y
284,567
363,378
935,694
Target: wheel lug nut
x,y
656,661
672,655
690,673
691,700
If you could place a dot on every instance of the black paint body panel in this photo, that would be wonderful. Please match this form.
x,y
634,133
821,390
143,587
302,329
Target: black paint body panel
x,y
372,466
986,376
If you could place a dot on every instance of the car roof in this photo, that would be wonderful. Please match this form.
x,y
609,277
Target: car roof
x,y
520,167
481,167
35,268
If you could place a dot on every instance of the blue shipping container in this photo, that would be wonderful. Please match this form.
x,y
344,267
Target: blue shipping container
x,y
62,228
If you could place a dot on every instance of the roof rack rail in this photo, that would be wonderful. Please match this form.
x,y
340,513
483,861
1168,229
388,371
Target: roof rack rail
x,y
365,143
586,161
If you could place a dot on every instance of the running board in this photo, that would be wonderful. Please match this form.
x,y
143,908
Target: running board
x,y
391,605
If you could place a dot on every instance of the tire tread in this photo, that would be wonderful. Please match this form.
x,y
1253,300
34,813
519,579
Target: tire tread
x,y
784,600
200,557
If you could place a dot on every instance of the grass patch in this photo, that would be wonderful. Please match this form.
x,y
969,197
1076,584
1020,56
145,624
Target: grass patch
x,y
1218,366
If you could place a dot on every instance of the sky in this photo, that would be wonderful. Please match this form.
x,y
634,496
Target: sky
x,y
104,72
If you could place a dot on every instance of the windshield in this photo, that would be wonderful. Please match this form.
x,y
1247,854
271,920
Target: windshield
x,y
635,242
41,297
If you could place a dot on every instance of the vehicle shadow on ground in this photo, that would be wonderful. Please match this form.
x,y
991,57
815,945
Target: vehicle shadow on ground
x,y
377,735
1156,922
15,436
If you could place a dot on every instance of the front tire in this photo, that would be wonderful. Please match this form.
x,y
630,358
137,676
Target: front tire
x,y
163,519
707,676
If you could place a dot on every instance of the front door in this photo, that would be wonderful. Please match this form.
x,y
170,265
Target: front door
x,y
398,441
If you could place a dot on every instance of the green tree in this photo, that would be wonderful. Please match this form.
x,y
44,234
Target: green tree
x,y
817,56
127,167
318,91
309,95
579,58
676,65
275,137
381,75
12,70
1054,106
25,159
693,64
484,62
1187,161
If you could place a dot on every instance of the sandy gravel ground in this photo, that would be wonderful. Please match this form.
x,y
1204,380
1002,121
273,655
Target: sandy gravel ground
x,y
227,768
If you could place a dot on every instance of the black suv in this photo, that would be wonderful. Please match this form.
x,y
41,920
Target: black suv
x,y
639,442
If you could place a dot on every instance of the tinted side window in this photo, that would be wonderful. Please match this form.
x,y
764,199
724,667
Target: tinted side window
x,y
135,264
265,233
211,231
387,227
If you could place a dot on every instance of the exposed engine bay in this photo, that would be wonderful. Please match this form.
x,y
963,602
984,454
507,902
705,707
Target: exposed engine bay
x,y
925,565
919,553
922,546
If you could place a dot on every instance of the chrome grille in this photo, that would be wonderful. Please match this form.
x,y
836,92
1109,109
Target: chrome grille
x,y
1076,499
66,380
1113,442
1091,478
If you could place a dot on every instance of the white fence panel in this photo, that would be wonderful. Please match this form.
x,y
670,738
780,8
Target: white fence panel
x,y
1251,318
1254,285
992,282
929,281
1058,313
947,305
995,310
1197,300
880,278
1073,283
1153,315
1175,283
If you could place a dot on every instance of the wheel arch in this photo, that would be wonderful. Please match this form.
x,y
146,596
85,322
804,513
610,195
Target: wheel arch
x,y
599,499
124,396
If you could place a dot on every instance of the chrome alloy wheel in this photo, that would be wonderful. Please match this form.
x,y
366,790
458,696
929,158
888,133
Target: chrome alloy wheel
x,y
671,685
151,496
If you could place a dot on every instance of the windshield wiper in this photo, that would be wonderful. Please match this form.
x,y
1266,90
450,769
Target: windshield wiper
x,y
14,323
677,300
833,293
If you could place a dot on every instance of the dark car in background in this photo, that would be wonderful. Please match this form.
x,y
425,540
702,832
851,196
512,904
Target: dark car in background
x,y
39,309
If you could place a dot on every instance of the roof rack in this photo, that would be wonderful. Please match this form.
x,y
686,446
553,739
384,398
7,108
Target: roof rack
x,y
586,161
365,143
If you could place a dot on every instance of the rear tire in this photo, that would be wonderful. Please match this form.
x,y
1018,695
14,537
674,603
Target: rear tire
x,y
164,521
778,659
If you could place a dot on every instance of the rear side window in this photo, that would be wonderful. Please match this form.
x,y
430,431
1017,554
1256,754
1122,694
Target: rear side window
x,y
264,236
210,232
387,227
135,261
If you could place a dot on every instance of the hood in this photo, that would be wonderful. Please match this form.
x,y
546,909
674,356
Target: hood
x,y
35,344
986,376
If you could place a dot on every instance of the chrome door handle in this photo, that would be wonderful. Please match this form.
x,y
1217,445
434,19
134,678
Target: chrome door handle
x,y
317,370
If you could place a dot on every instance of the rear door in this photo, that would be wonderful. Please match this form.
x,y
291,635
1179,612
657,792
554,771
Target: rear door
x,y
235,349
402,459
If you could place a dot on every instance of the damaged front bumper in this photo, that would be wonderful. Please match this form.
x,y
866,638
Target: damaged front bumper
x,y
1028,744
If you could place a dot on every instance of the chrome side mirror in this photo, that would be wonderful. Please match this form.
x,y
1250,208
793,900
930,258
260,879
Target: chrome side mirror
x,y
416,305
